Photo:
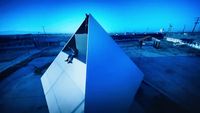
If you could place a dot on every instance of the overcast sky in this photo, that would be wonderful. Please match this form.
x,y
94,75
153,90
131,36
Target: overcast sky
x,y
115,16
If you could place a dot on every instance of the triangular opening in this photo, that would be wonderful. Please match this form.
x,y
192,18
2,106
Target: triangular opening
x,y
76,47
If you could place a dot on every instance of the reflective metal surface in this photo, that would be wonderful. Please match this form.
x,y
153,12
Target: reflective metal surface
x,y
112,78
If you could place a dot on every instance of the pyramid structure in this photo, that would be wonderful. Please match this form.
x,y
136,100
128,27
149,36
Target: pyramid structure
x,y
91,74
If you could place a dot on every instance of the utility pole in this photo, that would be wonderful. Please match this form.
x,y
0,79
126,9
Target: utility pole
x,y
43,29
45,35
183,29
195,24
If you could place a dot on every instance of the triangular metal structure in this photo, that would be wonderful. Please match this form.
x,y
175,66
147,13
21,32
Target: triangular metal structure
x,y
91,74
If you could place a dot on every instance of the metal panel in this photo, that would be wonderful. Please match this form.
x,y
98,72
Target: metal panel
x,y
81,45
51,102
67,93
112,78
64,82
64,85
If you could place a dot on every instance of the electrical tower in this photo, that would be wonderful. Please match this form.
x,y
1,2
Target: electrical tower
x,y
195,24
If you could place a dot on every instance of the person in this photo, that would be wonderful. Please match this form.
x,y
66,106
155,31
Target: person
x,y
74,53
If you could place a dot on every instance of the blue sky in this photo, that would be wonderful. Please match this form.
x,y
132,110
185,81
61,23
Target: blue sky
x,y
115,16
